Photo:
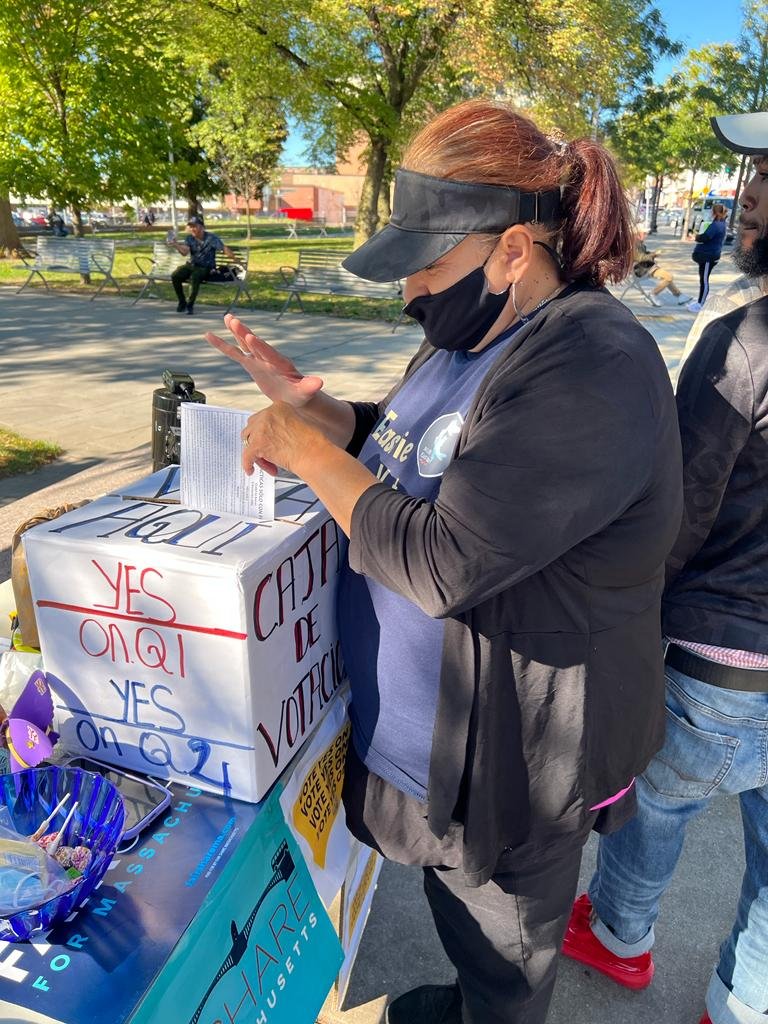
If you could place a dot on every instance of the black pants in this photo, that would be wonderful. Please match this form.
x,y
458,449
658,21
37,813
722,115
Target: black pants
x,y
186,273
503,937
705,269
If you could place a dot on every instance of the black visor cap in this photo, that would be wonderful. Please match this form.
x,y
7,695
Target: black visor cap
x,y
432,215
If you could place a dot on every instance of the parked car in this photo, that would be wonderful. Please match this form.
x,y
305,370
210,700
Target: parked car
x,y
672,216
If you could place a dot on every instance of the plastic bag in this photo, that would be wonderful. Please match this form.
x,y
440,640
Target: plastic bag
x,y
15,669
28,876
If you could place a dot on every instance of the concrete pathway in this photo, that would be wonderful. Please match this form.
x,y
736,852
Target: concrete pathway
x,y
82,374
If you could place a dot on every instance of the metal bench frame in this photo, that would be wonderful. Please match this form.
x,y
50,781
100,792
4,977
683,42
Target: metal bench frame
x,y
72,256
165,259
633,281
320,272
316,222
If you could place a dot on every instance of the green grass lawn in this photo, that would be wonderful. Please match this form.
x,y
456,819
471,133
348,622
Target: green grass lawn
x,y
268,253
19,455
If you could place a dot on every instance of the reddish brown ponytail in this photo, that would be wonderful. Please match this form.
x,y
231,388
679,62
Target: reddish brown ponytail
x,y
490,143
598,238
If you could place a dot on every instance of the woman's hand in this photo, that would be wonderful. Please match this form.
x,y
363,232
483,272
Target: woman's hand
x,y
284,436
276,376
280,436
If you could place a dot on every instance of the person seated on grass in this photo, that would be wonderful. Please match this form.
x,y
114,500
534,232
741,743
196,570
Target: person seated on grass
x,y
201,246
645,265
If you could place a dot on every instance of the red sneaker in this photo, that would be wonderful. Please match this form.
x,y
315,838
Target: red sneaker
x,y
582,944
705,1019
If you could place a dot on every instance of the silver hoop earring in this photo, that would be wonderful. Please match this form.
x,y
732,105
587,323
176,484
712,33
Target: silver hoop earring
x,y
518,312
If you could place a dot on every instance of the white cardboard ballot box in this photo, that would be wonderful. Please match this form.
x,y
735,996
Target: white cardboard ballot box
x,y
189,645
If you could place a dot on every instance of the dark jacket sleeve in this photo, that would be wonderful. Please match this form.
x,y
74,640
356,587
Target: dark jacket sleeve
x,y
367,415
715,408
538,472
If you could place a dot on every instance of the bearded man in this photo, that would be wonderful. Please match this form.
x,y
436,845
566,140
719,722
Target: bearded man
x,y
715,620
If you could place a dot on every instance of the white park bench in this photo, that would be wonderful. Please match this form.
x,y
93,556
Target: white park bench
x,y
320,271
72,256
317,223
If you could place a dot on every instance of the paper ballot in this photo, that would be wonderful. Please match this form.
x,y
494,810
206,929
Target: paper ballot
x,y
212,477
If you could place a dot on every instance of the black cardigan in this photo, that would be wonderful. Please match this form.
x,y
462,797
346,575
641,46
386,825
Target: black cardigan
x,y
717,572
544,552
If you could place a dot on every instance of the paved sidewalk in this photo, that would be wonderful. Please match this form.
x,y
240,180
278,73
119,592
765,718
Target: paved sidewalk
x,y
82,374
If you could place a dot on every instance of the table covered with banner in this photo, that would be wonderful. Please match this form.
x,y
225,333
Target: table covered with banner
x,y
200,650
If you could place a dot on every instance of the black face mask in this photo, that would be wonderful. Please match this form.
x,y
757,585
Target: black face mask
x,y
459,317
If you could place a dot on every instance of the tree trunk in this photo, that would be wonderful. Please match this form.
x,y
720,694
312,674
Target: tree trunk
x,y
688,206
385,204
368,213
77,213
194,206
10,243
595,119
655,200
248,218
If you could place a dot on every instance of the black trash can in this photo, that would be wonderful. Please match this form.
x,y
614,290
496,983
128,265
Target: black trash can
x,y
166,417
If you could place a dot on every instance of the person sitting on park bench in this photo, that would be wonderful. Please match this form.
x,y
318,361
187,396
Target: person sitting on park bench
x,y
56,224
201,246
646,266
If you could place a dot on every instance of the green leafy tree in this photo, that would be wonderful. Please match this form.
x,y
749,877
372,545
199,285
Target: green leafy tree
x,y
738,75
354,69
84,99
640,136
192,166
242,135
378,70
584,59
708,88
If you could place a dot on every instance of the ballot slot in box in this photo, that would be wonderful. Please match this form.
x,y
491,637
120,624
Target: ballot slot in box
x,y
189,645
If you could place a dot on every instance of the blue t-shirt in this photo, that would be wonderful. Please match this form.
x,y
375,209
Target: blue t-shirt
x,y
202,253
392,649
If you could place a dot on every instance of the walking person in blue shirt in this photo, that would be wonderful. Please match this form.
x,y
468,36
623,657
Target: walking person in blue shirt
x,y
706,252
201,246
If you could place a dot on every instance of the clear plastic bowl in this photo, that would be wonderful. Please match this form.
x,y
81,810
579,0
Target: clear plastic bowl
x,y
30,796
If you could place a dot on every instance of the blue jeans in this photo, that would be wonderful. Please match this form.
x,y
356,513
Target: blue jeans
x,y
716,742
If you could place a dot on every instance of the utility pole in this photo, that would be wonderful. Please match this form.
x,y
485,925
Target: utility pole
x,y
648,201
742,170
174,220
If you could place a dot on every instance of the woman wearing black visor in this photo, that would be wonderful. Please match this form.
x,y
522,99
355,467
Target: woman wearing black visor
x,y
509,507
